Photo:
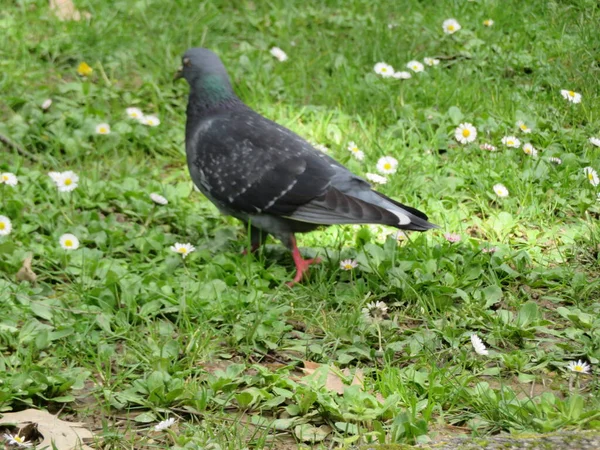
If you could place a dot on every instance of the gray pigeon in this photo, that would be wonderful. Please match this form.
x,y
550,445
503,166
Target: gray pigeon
x,y
266,175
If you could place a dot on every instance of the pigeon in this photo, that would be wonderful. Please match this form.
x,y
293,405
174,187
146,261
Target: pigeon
x,y
267,176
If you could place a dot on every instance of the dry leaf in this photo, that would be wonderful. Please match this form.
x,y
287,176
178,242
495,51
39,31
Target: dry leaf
x,y
332,381
55,433
25,273
65,10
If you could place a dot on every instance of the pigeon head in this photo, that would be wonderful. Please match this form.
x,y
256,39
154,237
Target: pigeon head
x,y
206,74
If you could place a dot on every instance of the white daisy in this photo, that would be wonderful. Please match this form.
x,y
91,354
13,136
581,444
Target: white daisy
x,y
579,367
374,311
387,165
375,178
5,226
523,127
9,179
383,69
452,237
572,96
69,241
555,160
279,54
358,154
591,175
488,22
320,147
151,121
16,441
431,61
158,199
511,141
164,424
415,66
402,75
530,150
67,181
183,249
103,128
400,236
47,104
135,113
500,190
450,26
348,264
55,176
465,133
488,147
478,345
595,141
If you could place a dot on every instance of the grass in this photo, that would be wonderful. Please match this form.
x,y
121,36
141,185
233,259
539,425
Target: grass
x,y
123,333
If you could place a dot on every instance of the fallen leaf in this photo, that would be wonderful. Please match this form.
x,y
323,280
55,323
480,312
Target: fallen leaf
x,y
331,381
65,10
310,433
25,273
55,433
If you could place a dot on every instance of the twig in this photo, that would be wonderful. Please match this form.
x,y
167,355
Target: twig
x,y
20,150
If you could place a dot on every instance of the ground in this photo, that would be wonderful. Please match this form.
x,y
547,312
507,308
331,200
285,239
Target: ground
x,y
122,332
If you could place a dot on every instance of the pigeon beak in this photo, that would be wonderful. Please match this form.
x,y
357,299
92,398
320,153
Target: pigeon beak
x,y
178,74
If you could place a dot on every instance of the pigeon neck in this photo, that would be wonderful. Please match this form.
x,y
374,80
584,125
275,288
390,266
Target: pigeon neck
x,y
210,93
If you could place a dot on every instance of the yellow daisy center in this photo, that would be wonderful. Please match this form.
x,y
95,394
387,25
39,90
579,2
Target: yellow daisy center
x,y
387,166
450,27
2,226
102,130
571,93
523,127
5,177
510,142
466,132
354,149
68,243
578,368
183,250
348,266
68,182
384,69
590,176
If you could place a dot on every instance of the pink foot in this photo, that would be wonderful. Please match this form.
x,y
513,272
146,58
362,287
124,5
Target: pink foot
x,y
302,264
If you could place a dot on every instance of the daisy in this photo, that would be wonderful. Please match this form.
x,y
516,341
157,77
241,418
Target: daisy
x,y
5,226
374,311
67,181
488,22
16,440
158,199
572,96
415,66
500,190
488,147
465,133
450,26
478,345
84,70
134,113
279,54
348,264
164,424
579,367
489,249
555,160
9,179
592,175
358,154
523,127
387,165
320,147
431,61
383,69
183,249
400,236
595,141
69,241
103,128
47,103
55,176
530,150
375,178
402,75
151,121
452,237
511,141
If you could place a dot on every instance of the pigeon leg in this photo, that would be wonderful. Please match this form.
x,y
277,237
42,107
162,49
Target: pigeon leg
x,y
257,238
301,263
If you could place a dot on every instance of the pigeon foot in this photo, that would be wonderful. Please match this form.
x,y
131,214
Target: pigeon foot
x,y
302,264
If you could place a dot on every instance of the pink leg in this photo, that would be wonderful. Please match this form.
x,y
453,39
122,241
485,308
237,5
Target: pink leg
x,y
301,263
253,249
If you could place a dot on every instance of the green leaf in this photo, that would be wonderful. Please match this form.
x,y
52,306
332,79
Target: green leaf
x,y
455,114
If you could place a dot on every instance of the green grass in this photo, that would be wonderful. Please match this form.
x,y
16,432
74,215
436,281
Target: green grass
x,y
123,333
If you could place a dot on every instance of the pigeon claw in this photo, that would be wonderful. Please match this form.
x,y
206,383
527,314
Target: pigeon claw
x,y
302,264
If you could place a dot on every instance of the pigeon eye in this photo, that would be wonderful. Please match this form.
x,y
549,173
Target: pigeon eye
x,y
187,62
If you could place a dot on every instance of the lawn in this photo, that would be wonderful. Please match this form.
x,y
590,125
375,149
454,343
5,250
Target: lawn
x,y
114,329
